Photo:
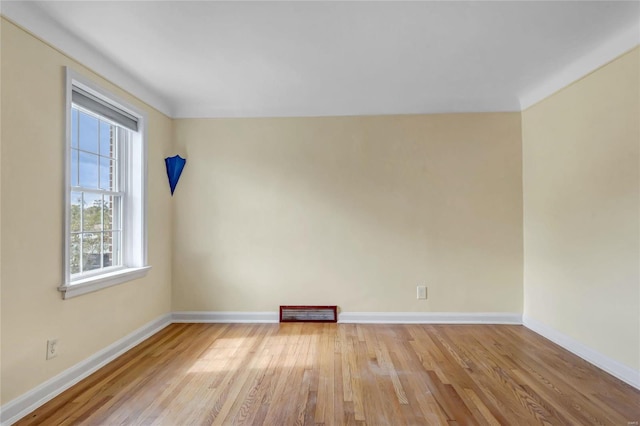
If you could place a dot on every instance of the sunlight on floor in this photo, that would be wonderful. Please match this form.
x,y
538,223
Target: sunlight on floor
x,y
276,352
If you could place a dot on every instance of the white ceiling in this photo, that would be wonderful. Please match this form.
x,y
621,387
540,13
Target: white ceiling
x,y
248,59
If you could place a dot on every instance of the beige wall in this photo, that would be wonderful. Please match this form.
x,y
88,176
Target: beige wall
x,y
33,90
581,210
353,211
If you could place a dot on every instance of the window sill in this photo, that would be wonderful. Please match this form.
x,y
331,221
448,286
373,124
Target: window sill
x,y
91,284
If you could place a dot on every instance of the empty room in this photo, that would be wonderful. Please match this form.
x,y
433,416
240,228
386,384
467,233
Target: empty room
x,y
320,213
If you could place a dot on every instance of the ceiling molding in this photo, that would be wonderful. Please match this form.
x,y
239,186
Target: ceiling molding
x,y
624,41
30,17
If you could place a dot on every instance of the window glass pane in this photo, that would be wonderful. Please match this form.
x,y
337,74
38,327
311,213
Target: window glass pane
x,y
119,136
107,174
76,211
106,145
88,170
90,251
107,249
74,167
92,213
74,253
88,136
107,213
74,128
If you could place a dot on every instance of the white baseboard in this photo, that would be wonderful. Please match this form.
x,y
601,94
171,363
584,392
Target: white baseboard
x,y
430,317
14,410
226,317
611,366
358,317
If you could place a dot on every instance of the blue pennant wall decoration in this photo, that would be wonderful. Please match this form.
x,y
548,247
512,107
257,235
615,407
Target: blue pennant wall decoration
x,y
174,170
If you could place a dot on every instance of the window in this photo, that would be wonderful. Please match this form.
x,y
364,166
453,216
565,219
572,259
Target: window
x,y
105,191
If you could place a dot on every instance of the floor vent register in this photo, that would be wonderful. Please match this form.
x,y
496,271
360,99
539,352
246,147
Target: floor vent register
x,y
308,314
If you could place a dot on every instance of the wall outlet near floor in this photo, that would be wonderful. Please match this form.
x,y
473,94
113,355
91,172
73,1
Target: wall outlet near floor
x,y
52,348
422,292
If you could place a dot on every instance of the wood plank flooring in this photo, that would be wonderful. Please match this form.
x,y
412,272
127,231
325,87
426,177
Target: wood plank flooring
x,y
345,374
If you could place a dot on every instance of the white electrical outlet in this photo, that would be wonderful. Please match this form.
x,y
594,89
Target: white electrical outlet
x,y
422,292
52,348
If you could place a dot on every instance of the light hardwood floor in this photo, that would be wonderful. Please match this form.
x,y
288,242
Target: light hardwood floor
x,y
334,374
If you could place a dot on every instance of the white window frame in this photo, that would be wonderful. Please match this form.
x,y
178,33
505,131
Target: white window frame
x,y
134,218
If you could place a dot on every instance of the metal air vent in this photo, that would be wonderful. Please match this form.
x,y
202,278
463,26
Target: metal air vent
x,y
308,314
